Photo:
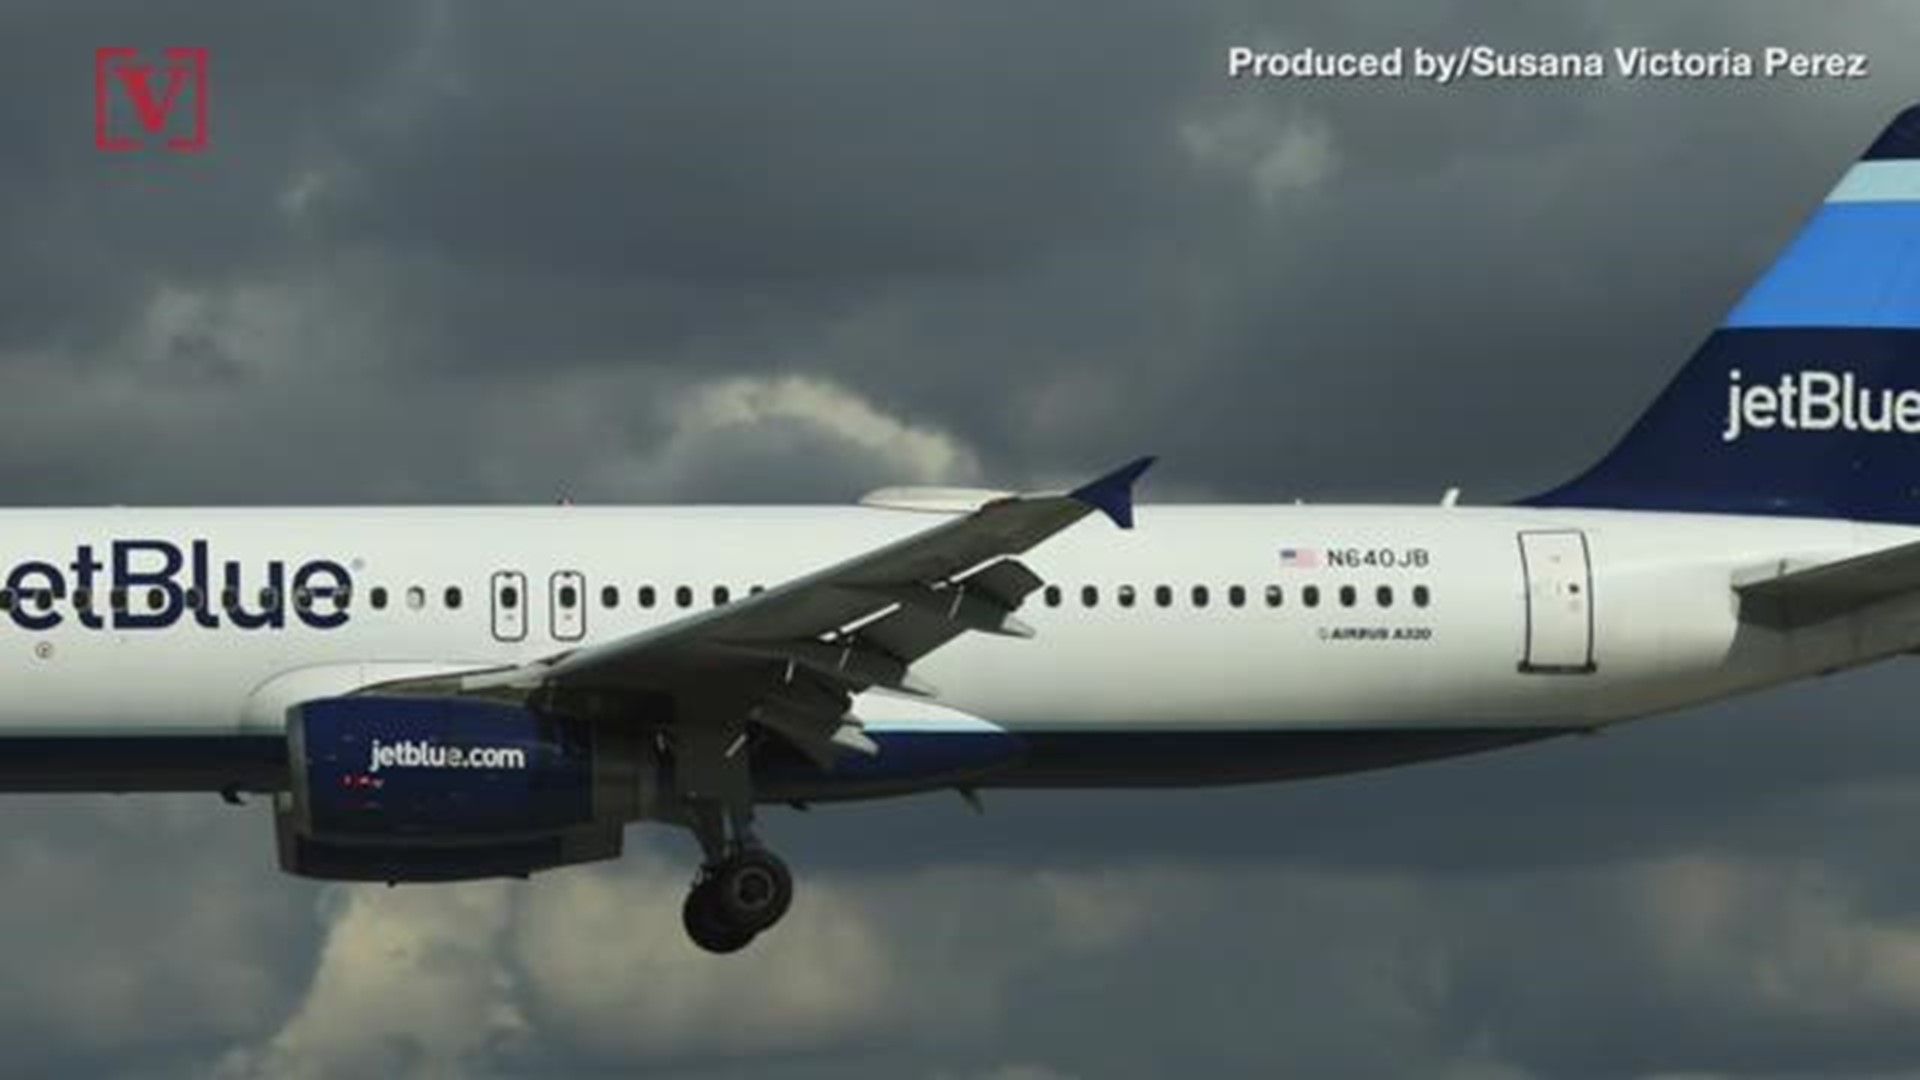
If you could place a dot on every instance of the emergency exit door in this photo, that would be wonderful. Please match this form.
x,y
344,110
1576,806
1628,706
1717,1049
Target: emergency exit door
x,y
509,605
1559,578
567,600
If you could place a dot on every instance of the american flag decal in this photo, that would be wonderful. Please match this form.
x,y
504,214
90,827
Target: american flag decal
x,y
1299,558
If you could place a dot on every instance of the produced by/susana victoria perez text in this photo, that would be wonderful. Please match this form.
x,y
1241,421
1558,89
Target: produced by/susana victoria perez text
x,y
1479,62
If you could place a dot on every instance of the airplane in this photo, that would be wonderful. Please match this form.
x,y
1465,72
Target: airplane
x,y
441,694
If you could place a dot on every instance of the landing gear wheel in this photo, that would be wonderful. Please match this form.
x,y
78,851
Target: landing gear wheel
x,y
753,889
707,925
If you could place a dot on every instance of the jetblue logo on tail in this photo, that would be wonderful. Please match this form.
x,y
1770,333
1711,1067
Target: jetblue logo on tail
x,y
1827,340
1816,400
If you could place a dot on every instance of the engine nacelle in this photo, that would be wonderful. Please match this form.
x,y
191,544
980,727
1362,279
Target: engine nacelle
x,y
328,861
406,788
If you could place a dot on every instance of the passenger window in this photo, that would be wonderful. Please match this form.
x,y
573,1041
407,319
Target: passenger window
x,y
1089,596
6,599
1051,595
509,597
683,596
378,597
609,596
569,597
1384,595
416,597
1199,596
721,594
453,598
1163,595
1421,596
156,599
1237,595
82,600
1274,596
647,596
193,599
117,599
756,590
1348,596
1310,596
229,598
303,599
1125,595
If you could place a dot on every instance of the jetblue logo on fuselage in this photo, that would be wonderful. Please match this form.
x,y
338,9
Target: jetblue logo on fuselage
x,y
149,582
1814,400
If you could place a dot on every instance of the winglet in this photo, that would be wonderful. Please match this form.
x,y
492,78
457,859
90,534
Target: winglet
x,y
1112,494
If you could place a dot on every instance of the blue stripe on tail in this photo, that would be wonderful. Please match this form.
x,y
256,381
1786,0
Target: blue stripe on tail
x,y
1806,401
1855,264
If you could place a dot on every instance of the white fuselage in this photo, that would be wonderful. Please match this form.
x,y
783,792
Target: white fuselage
x,y
1613,615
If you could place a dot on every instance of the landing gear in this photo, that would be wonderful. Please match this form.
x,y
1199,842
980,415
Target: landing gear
x,y
743,889
733,901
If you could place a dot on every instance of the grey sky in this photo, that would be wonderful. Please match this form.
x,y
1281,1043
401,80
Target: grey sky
x,y
467,251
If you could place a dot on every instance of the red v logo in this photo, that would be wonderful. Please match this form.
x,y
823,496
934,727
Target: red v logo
x,y
117,73
153,114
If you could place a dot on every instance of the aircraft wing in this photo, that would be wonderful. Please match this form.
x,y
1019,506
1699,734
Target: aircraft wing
x,y
1794,598
794,654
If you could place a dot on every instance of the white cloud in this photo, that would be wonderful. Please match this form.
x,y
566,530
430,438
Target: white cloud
x,y
411,981
1274,154
716,410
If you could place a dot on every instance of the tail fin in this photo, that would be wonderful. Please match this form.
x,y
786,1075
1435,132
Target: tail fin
x,y
1806,401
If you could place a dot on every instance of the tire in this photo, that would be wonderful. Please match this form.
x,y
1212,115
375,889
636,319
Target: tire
x,y
708,926
753,889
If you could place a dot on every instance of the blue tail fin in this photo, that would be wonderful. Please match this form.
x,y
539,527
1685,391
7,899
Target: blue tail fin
x,y
1806,401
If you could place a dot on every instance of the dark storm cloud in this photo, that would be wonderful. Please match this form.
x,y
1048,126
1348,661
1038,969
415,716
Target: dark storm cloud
x,y
460,251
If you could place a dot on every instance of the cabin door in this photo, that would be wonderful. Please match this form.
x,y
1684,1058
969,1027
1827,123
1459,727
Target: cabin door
x,y
1559,577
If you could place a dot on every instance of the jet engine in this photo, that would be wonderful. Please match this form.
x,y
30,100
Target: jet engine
x,y
419,788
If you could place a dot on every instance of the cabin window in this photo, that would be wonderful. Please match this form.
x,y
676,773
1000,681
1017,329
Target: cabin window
x,y
83,599
1089,596
378,597
509,597
156,599
1163,595
416,597
303,599
1237,595
683,596
647,596
117,599
1275,595
609,596
756,590
6,599
1421,596
1348,596
721,595
1125,595
1384,595
453,597
193,599
1051,595
1199,596
569,597
1310,596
